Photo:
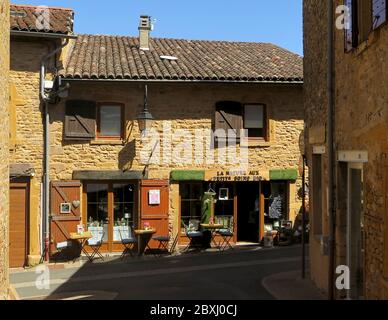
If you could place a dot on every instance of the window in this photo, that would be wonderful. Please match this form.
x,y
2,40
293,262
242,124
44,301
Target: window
x,y
317,194
191,203
255,120
365,16
275,204
110,121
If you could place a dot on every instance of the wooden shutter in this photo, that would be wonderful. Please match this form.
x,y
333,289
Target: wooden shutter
x,y
63,224
80,120
229,115
379,9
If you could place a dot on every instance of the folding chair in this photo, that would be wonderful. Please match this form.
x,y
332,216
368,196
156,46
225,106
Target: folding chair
x,y
96,245
128,243
193,234
226,235
164,242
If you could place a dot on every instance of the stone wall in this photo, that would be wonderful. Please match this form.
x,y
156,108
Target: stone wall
x,y
361,124
315,102
4,138
26,55
188,107
361,109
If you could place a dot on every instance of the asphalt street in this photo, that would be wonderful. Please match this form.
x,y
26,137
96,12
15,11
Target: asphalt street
x,y
232,275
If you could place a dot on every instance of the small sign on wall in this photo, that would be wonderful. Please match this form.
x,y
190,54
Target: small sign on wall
x,y
154,197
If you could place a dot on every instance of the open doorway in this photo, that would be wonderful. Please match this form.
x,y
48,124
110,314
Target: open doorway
x,y
248,221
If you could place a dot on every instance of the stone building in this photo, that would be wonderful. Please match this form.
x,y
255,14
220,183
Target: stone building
x,y
4,170
111,176
35,32
360,144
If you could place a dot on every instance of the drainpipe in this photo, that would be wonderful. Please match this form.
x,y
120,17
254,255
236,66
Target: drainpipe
x,y
330,142
46,175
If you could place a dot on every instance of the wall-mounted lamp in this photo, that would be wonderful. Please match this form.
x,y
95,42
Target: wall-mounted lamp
x,y
145,118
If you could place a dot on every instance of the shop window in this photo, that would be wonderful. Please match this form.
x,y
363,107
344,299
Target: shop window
x,y
255,120
317,194
97,206
103,199
191,204
110,121
123,210
275,205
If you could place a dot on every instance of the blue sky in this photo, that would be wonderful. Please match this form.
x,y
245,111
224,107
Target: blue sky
x,y
276,21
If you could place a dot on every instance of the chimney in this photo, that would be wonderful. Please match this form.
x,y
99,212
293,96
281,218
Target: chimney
x,y
144,32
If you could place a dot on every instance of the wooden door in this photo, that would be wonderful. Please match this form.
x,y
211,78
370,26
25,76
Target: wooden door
x,y
18,224
62,222
155,214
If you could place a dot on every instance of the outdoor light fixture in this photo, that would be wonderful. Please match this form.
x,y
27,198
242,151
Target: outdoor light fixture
x,y
145,118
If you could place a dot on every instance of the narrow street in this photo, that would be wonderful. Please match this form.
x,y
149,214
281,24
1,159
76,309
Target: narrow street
x,y
231,275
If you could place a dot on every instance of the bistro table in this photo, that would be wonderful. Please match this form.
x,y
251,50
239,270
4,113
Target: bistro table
x,y
144,237
82,239
213,231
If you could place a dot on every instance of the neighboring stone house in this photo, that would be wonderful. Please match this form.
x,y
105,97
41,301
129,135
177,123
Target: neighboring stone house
x,y
108,176
4,169
360,140
35,32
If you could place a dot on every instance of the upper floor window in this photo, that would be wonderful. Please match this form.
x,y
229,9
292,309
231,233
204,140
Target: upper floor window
x,y
255,120
85,120
365,16
110,121
235,116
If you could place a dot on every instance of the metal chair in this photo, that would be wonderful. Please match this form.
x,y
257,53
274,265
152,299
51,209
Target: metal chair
x,y
95,245
128,243
193,234
164,242
226,235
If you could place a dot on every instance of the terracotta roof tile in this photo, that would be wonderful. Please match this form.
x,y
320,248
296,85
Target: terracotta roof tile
x,y
118,57
35,19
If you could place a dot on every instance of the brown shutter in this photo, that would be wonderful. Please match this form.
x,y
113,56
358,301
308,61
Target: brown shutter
x,y
379,12
80,120
64,224
229,115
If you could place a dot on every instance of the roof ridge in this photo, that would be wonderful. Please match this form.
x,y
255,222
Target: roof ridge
x,y
32,6
175,39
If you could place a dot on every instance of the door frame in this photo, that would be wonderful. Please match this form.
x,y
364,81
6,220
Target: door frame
x,y
351,166
111,246
24,182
